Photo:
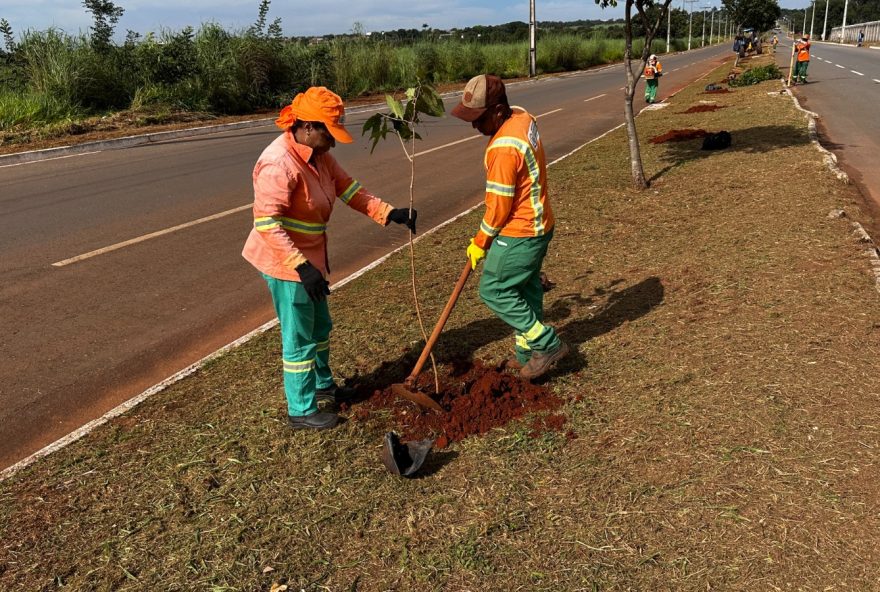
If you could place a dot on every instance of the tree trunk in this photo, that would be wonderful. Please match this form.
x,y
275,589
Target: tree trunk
x,y
635,153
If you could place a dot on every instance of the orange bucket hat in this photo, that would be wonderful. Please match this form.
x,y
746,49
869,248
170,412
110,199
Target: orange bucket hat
x,y
317,104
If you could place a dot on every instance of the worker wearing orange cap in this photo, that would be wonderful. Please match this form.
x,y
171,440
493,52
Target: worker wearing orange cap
x,y
517,226
802,48
296,185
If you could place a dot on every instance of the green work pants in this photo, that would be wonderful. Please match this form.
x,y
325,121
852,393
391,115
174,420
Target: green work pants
x,y
800,70
305,344
511,288
651,86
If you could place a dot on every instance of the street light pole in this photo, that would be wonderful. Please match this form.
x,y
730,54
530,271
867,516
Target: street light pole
x,y
813,19
668,27
532,48
712,27
690,19
843,28
804,29
825,26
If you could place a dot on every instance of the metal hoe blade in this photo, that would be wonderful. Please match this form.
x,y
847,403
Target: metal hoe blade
x,y
420,399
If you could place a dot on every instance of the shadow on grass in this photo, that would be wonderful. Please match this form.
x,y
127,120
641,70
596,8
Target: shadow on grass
x,y
616,305
753,140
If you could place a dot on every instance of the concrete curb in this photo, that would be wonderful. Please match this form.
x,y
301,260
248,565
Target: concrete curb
x,y
871,252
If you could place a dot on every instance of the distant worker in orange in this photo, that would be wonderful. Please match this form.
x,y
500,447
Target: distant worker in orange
x,y
296,185
802,49
774,43
517,226
653,72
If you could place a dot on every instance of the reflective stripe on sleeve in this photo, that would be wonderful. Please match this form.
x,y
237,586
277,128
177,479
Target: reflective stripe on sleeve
x,y
500,189
299,367
489,230
291,224
323,345
350,192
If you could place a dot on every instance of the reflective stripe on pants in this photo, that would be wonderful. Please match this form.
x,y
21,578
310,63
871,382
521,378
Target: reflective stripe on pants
x,y
305,344
511,288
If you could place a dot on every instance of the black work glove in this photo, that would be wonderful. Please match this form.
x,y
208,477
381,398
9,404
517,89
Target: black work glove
x,y
312,280
402,216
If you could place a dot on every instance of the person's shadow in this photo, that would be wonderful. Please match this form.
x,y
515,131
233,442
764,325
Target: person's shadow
x,y
613,305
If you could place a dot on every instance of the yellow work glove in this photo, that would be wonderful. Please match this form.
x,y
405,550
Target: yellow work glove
x,y
475,254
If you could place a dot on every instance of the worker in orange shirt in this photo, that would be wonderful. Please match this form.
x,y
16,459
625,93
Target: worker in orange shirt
x,y
296,185
653,72
802,49
517,226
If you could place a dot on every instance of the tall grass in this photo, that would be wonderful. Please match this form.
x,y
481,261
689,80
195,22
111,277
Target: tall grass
x,y
52,76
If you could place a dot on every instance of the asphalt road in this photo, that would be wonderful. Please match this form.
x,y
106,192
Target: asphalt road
x,y
844,89
82,336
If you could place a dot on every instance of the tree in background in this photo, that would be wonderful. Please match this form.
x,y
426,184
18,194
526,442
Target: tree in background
x,y
650,24
105,15
8,39
759,15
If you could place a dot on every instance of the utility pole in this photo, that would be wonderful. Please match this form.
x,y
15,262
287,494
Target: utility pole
x,y
813,19
703,35
843,28
712,26
532,49
669,27
690,19
825,26
804,28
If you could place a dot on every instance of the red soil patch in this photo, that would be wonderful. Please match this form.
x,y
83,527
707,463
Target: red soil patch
x,y
703,109
679,136
477,399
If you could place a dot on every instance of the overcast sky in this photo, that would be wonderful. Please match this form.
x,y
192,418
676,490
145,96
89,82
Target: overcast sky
x,y
312,18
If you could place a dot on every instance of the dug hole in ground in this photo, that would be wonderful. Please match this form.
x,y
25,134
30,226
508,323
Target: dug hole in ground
x,y
717,427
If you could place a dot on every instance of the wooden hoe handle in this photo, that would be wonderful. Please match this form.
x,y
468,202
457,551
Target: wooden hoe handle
x,y
459,286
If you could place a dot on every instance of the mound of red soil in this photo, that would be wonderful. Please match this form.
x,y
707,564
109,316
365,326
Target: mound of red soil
x,y
679,136
476,400
703,109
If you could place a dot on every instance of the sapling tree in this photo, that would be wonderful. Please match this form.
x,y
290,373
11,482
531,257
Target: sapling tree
x,y
402,121
649,24
105,15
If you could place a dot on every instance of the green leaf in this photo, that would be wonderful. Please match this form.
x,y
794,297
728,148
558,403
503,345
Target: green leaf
x,y
394,105
430,102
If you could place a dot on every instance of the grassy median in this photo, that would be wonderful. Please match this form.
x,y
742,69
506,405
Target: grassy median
x,y
723,409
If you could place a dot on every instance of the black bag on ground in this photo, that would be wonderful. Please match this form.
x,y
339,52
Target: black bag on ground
x,y
718,141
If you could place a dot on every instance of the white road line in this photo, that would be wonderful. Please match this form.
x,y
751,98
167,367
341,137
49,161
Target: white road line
x,y
435,148
448,145
548,113
54,158
594,98
875,80
854,72
839,66
145,237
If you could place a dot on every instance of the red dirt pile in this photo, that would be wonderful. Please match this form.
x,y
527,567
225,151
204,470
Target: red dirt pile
x,y
703,109
679,136
478,399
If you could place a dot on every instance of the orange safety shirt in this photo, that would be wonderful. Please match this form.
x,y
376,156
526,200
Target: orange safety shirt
x,y
293,200
803,51
652,72
516,182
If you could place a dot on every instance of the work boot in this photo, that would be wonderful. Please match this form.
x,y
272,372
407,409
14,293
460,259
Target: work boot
x,y
540,362
317,420
335,394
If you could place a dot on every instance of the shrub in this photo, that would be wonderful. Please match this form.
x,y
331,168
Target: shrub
x,y
756,75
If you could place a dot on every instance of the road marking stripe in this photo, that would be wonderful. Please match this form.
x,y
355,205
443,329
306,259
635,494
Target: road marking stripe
x,y
145,237
875,80
53,158
435,148
838,65
854,72
596,97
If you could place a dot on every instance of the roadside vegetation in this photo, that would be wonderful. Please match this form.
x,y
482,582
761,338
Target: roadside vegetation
x,y
52,81
721,414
